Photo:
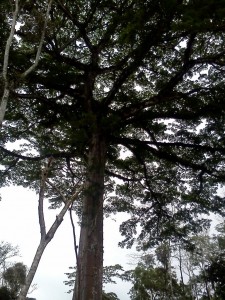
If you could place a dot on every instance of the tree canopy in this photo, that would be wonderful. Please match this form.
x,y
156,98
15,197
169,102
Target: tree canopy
x,y
127,90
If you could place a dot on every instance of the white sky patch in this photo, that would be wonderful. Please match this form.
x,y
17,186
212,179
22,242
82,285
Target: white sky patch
x,y
138,88
22,144
125,153
106,89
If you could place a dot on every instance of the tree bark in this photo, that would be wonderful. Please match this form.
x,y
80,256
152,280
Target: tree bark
x,y
90,258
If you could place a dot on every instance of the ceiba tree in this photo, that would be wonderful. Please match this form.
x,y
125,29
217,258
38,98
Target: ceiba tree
x,y
140,77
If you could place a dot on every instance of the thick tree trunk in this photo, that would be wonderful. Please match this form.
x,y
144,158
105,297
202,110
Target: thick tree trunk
x,y
90,258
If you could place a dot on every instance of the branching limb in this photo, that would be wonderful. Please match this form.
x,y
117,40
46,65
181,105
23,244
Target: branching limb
x,y
168,156
6,91
5,96
45,241
38,54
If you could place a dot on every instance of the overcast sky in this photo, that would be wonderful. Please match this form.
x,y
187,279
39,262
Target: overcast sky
x,y
19,226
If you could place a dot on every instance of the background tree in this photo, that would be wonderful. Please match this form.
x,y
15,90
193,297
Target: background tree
x,y
12,275
155,281
202,264
7,251
145,77
214,273
15,277
215,268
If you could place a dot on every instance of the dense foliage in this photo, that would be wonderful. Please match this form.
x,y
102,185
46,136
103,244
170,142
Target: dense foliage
x,y
154,88
128,90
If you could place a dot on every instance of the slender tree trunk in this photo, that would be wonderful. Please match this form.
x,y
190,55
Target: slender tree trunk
x,y
33,269
170,270
90,258
45,240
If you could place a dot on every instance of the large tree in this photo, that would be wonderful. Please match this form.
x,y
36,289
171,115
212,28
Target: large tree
x,y
140,77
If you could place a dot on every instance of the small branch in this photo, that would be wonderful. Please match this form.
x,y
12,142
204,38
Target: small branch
x,y
110,173
57,190
74,235
5,96
9,41
12,165
69,168
29,70
36,158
